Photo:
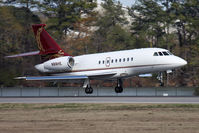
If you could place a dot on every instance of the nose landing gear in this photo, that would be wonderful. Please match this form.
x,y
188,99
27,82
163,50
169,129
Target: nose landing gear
x,y
161,78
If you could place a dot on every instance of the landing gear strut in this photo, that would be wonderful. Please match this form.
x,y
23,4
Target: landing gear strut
x,y
87,86
119,88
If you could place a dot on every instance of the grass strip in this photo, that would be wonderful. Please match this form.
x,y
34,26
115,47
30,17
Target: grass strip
x,y
79,106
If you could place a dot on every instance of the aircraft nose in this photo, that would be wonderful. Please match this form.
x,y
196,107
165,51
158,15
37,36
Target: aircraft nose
x,y
182,62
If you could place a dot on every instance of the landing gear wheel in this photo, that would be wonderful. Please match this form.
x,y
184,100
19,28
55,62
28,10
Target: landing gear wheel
x,y
121,90
91,90
118,89
88,90
161,84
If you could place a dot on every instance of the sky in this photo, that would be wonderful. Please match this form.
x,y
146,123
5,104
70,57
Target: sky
x,y
125,2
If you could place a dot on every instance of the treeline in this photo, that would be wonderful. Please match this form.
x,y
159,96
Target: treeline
x,y
83,26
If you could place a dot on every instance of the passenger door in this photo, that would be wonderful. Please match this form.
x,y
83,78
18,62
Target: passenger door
x,y
108,62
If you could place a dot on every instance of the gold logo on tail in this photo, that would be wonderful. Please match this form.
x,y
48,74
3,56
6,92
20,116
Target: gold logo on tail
x,y
59,54
38,39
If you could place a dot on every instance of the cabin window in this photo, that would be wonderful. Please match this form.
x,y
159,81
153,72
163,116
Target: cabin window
x,y
131,58
127,59
160,53
99,62
124,60
120,60
165,53
112,61
115,60
155,54
103,61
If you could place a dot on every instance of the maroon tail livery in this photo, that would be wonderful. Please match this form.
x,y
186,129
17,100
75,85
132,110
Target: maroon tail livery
x,y
47,46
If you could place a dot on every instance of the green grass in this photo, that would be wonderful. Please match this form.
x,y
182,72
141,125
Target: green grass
x,y
78,106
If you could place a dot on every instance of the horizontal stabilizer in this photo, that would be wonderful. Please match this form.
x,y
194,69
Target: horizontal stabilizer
x,y
23,54
53,77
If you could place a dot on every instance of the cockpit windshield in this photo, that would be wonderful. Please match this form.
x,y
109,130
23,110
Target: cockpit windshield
x,y
169,53
155,54
165,53
162,53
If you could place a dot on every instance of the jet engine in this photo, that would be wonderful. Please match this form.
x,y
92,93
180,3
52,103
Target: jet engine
x,y
61,64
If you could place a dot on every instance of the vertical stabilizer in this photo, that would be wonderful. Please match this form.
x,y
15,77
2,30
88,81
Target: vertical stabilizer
x,y
49,49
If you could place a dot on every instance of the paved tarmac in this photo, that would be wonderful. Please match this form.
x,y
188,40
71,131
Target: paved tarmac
x,y
159,100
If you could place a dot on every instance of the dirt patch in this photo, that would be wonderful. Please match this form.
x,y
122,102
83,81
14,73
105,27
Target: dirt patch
x,y
98,118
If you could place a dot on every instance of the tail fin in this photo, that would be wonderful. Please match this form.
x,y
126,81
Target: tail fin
x,y
49,49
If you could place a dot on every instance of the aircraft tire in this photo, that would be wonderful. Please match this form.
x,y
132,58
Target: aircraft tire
x,y
91,90
161,84
88,90
118,89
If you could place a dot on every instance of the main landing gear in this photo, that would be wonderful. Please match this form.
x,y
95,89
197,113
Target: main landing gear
x,y
119,88
89,89
87,86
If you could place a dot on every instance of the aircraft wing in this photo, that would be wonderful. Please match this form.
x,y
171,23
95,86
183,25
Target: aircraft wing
x,y
54,78
73,77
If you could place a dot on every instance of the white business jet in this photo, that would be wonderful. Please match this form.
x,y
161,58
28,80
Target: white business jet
x,y
109,65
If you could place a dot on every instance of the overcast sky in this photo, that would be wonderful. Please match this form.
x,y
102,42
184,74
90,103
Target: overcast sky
x,y
125,2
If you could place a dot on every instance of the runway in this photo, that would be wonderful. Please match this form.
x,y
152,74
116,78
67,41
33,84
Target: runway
x,y
155,100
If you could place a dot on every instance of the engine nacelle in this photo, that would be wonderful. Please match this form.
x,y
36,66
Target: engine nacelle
x,y
60,64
